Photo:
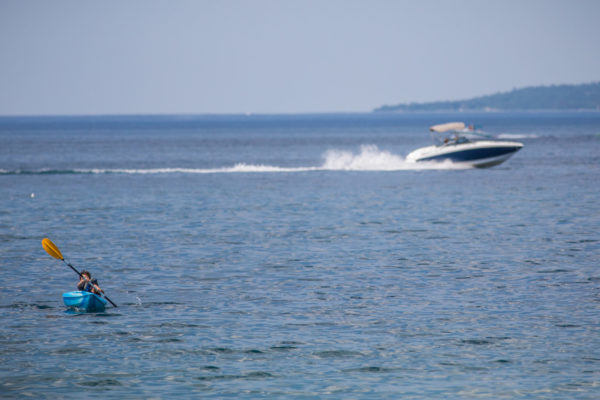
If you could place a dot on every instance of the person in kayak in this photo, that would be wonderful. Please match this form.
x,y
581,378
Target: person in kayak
x,y
87,284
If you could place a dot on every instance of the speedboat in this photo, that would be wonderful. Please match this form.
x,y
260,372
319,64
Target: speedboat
x,y
458,149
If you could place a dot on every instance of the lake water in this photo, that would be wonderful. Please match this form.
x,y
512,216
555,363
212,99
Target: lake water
x,y
300,257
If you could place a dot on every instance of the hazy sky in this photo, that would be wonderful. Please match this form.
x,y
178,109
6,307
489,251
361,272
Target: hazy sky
x,y
287,56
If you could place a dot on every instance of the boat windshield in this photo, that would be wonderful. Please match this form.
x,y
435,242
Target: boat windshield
x,y
454,140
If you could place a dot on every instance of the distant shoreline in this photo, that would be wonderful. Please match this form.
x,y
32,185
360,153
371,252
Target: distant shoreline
x,y
584,97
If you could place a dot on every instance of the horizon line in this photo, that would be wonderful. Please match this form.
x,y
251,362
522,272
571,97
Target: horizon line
x,y
283,114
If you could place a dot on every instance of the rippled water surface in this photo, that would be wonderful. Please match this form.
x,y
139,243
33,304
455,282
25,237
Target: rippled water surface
x,y
299,257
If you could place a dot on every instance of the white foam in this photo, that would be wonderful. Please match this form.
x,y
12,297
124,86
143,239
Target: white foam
x,y
371,158
517,136
241,167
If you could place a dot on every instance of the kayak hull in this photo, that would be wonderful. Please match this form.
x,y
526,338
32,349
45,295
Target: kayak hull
x,y
84,301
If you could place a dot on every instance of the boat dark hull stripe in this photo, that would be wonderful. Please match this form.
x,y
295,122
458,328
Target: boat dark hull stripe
x,y
473,154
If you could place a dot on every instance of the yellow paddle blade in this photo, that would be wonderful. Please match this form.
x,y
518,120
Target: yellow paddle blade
x,y
51,249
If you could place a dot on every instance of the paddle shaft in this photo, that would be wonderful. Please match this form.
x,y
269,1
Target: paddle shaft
x,y
81,276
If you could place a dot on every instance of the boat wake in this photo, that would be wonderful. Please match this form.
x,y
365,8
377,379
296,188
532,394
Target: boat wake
x,y
369,158
517,136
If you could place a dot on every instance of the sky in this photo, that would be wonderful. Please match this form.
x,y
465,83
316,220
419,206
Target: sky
x,y
85,57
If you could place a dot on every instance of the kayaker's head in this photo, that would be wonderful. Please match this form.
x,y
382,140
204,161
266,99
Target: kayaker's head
x,y
87,275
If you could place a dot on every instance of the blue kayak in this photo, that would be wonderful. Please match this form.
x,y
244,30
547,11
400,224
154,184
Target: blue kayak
x,y
85,301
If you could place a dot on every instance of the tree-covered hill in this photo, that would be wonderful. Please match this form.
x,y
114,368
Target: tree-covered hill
x,y
555,97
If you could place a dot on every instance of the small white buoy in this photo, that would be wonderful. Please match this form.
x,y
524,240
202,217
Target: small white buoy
x,y
32,195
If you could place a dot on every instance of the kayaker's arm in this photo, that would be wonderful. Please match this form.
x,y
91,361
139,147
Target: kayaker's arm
x,y
82,283
96,287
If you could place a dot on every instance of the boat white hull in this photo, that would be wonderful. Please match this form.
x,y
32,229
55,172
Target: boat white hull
x,y
481,154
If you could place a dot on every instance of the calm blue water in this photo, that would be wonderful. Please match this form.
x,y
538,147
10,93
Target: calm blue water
x,y
300,257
